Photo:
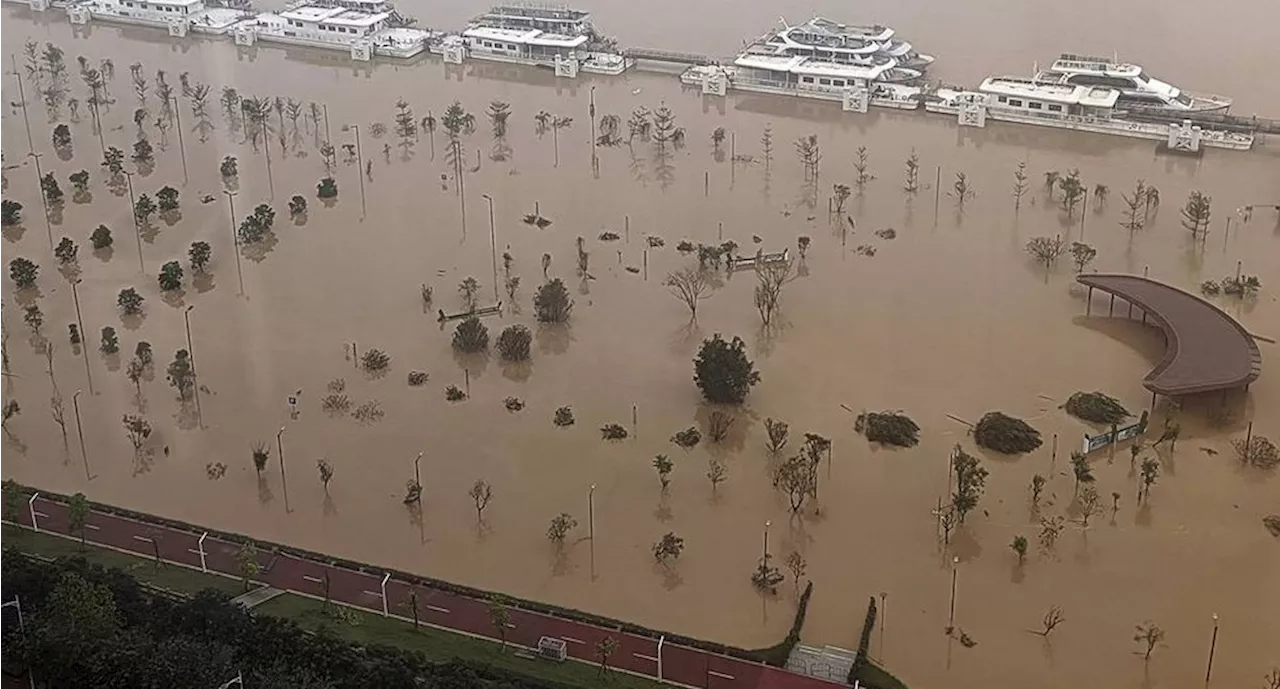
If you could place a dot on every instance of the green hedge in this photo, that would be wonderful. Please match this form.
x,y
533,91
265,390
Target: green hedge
x,y
864,641
775,655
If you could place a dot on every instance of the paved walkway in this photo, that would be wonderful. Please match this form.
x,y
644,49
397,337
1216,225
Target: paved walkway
x,y
637,654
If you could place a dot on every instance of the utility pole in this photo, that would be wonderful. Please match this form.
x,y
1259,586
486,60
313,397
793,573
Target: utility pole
x,y
186,317
84,341
13,61
235,238
493,246
44,201
182,146
75,404
283,483
137,227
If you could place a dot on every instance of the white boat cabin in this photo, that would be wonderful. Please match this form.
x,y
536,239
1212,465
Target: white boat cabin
x,y
563,21
330,24
1039,99
366,6
521,44
806,73
154,10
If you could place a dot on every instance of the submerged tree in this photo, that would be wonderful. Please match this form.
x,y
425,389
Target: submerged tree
x,y
912,183
498,112
552,303
970,481
1073,192
1082,255
723,372
862,166
689,285
1196,214
1134,217
1046,250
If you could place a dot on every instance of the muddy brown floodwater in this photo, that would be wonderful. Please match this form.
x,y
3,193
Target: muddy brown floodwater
x,y
950,318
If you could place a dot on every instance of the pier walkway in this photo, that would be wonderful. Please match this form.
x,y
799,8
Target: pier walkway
x,y
1206,350
669,56
1216,120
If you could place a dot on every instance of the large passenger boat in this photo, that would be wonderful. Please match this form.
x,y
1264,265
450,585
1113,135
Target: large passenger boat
x,y
363,34
550,36
1136,87
1077,107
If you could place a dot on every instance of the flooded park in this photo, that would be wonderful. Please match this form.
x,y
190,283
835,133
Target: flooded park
x,y
911,289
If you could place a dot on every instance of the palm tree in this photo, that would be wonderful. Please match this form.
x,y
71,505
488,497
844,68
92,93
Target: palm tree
x,y
1050,181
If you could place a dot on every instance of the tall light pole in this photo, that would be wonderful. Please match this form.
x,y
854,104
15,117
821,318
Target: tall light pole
x,y
765,559
44,201
951,617
1213,645
186,317
417,475
283,483
591,526
360,168
75,404
235,238
13,61
133,210
883,606
84,341
493,246
22,627
182,146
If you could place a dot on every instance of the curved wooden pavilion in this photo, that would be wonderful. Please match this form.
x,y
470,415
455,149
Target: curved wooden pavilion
x,y
1206,349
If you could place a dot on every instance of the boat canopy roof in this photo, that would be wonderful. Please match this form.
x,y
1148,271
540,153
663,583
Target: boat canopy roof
x,y
805,65
1068,62
1090,96
823,26
333,15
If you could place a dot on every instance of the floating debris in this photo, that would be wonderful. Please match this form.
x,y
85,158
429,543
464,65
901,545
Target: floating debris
x,y
1096,407
609,236
889,427
513,404
887,233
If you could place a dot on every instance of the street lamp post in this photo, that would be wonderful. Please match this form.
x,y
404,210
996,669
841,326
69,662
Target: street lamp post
x,y
44,200
1213,645
133,210
493,246
883,602
182,146
13,60
951,618
591,526
284,484
765,559
186,317
84,342
417,475
360,169
235,238
22,628
75,404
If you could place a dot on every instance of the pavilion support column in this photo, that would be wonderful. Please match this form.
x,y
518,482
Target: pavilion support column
x,y
1153,401
1111,310
1088,305
1144,317
1130,309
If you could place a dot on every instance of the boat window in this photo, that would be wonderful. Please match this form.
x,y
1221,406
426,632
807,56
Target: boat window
x,y
1183,99
1055,108
824,82
1015,102
1035,105
837,82
1003,99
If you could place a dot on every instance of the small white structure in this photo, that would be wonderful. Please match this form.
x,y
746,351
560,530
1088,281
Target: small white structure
x,y
361,33
1080,108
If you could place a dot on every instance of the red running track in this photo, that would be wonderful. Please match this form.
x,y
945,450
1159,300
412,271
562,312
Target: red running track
x,y
638,654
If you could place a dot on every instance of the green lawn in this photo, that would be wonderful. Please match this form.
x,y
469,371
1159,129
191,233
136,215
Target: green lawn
x,y
170,576
876,677
352,625
371,628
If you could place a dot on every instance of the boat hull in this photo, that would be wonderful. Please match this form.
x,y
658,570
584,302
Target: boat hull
x,y
883,95
1150,131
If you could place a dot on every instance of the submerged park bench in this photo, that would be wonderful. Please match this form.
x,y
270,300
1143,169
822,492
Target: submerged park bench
x,y
1206,350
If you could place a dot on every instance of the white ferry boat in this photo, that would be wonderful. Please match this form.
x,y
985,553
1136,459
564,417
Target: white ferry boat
x,y
1136,88
177,16
829,40
1066,106
364,34
557,37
